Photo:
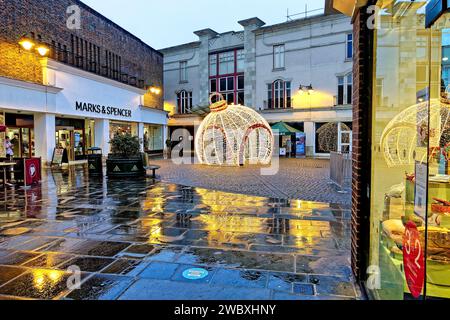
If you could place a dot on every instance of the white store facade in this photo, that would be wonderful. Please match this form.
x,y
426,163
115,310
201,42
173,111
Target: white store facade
x,y
76,110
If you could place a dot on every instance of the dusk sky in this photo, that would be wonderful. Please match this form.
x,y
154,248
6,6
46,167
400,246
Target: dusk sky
x,y
171,22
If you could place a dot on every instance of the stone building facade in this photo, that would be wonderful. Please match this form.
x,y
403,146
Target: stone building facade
x,y
269,68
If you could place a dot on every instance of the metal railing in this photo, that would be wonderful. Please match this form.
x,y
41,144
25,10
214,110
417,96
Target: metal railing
x,y
341,169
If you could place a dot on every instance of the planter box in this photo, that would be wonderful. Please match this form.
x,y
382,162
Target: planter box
x,y
123,167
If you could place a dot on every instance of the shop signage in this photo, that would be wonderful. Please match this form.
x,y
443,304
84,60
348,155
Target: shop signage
x,y
300,144
420,198
58,156
32,171
414,260
101,109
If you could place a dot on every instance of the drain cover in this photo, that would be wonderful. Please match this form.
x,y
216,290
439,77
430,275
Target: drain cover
x,y
195,274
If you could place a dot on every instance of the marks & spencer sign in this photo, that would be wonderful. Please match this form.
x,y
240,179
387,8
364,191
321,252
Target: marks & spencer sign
x,y
101,109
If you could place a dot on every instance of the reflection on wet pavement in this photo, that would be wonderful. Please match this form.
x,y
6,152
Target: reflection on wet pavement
x,y
134,239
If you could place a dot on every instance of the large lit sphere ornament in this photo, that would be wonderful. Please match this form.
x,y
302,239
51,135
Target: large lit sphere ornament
x,y
234,135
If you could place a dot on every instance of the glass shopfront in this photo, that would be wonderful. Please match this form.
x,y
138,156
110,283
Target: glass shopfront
x,y
20,129
119,127
71,135
153,139
410,183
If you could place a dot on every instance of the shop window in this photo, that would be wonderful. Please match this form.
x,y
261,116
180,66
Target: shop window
x,y
184,101
153,138
279,95
409,249
278,57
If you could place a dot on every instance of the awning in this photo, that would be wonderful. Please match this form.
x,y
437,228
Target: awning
x,y
283,129
348,7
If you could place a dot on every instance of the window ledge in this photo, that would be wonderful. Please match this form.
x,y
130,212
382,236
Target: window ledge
x,y
183,82
278,69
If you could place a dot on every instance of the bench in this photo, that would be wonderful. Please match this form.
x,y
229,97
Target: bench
x,y
153,169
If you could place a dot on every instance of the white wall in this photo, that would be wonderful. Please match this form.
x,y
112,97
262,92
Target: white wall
x,y
315,54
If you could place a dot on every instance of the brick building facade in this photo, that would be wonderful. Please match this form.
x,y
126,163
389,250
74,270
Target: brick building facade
x,y
100,46
95,80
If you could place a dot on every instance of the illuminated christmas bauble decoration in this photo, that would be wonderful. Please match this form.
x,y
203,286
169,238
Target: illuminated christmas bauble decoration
x,y
405,138
234,135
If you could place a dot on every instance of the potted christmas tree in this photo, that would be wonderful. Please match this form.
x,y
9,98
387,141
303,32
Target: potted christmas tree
x,y
125,159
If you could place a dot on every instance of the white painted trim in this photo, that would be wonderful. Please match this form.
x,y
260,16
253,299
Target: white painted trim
x,y
54,65
29,85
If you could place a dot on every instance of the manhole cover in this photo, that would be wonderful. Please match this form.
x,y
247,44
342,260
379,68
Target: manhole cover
x,y
195,274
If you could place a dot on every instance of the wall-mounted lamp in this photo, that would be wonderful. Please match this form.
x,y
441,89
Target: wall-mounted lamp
x,y
155,90
26,43
43,50
308,89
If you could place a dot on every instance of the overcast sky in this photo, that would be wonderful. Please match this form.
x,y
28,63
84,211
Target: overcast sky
x,y
167,23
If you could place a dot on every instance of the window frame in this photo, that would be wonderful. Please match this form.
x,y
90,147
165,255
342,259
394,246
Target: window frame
x,y
280,93
281,57
231,95
183,71
346,86
184,102
349,42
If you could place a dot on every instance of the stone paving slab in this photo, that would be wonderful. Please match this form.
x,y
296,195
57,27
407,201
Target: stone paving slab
x,y
133,240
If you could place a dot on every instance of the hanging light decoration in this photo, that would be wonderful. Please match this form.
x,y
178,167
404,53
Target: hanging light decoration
x,y
409,130
233,135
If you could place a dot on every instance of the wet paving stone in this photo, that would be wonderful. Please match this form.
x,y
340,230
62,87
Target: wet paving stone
x,y
137,251
48,260
87,264
7,273
17,258
126,267
240,278
285,282
159,270
101,287
165,253
238,259
333,286
304,289
38,284
134,239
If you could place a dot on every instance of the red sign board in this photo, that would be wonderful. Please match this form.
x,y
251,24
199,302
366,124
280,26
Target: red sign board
x,y
32,171
414,259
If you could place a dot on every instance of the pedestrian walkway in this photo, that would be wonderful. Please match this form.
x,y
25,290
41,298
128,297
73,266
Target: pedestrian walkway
x,y
147,240
307,179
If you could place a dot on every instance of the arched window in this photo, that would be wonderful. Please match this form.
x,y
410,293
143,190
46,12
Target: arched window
x,y
279,95
184,101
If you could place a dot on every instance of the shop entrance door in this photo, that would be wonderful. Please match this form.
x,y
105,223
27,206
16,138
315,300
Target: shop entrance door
x,y
65,138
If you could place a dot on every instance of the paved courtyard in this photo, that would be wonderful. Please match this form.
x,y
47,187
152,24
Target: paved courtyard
x,y
307,179
137,240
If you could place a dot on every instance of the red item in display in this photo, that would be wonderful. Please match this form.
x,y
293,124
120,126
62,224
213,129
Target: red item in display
x,y
414,259
2,128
